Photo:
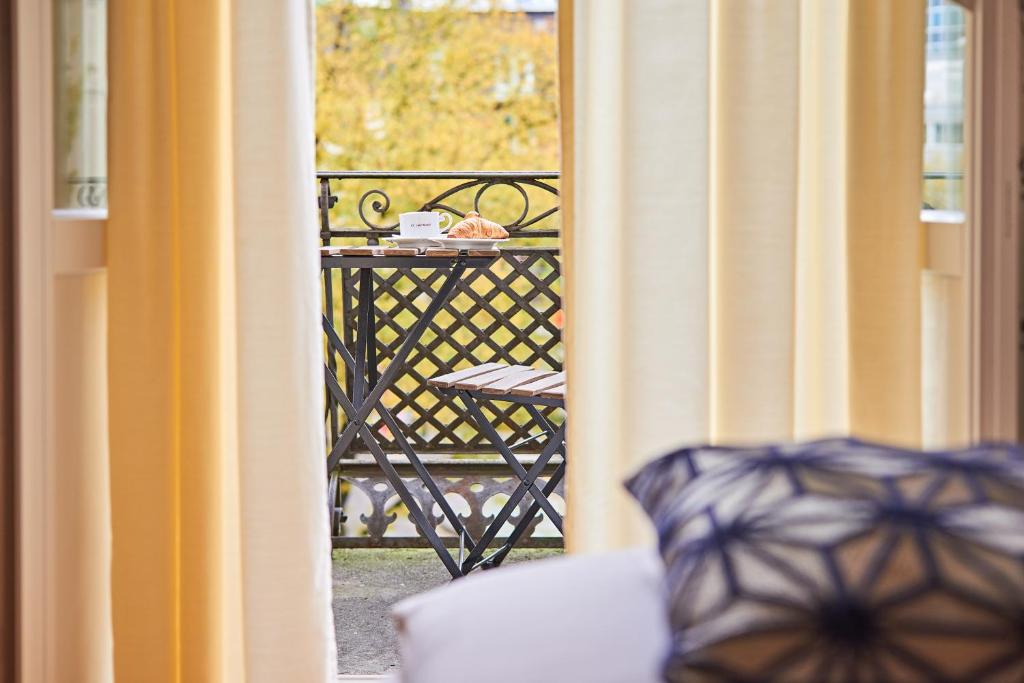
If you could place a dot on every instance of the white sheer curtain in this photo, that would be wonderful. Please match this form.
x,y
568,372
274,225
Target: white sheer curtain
x,y
744,252
221,557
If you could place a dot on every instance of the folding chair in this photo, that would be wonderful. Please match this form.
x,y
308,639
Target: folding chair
x,y
532,389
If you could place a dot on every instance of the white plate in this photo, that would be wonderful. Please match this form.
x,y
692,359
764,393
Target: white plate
x,y
414,242
468,243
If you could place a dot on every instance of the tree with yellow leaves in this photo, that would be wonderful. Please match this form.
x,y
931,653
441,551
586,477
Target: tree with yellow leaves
x,y
442,86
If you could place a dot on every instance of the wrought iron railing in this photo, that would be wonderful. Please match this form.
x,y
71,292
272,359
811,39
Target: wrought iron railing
x,y
508,313
375,200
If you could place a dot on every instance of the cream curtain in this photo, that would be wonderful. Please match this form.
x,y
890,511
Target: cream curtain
x,y
221,560
744,251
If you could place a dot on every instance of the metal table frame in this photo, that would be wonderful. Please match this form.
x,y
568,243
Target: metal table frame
x,y
369,385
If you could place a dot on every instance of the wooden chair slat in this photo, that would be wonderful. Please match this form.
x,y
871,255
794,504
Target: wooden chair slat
x,y
446,381
479,381
554,392
535,388
514,380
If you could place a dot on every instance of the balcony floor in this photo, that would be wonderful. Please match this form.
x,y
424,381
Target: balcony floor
x,y
367,583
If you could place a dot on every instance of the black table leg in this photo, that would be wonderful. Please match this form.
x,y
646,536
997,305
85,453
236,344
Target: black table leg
x,y
332,363
372,372
362,335
334,342
369,390
396,365
417,514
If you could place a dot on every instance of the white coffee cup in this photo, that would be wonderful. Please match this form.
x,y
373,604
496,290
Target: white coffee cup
x,y
425,224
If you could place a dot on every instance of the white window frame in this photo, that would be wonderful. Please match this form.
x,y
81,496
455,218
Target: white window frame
x,y
981,246
52,243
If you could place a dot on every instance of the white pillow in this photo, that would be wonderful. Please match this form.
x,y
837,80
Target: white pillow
x,y
594,618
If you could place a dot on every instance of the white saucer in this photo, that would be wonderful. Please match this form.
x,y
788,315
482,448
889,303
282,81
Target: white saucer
x,y
468,243
414,242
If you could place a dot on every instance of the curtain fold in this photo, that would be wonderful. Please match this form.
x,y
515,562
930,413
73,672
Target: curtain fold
x,y
755,73
821,350
221,563
745,252
884,240
638,225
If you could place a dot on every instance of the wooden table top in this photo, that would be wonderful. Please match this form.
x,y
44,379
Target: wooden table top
x,y
396,257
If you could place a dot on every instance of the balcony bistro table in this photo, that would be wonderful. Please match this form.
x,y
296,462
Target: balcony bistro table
x,y
369,383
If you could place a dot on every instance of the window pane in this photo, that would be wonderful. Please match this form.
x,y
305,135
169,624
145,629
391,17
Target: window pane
x,y
80,103
944,107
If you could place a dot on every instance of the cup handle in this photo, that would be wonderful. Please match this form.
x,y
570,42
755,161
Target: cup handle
x,y
447,220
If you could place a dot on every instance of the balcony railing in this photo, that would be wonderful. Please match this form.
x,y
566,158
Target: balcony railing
x,y
509,313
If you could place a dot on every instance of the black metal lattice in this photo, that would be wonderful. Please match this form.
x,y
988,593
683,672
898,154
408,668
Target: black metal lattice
x,y
508,313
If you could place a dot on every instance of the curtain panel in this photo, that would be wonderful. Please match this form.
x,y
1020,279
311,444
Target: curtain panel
x,y
221,557
744,244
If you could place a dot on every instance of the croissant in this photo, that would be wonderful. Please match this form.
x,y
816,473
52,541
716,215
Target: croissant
x,y
476,227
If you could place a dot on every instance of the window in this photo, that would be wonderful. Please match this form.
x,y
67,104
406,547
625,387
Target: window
x,y
944,107
80,103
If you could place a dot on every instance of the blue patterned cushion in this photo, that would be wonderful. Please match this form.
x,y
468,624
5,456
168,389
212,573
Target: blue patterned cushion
x,y
840,560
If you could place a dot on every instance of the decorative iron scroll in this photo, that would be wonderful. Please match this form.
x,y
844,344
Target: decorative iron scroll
x,y
382,204
373,520
375,203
